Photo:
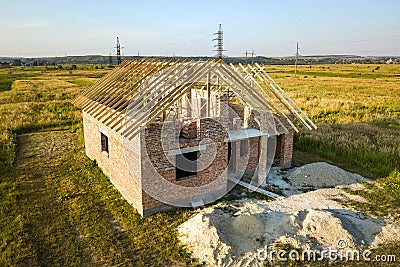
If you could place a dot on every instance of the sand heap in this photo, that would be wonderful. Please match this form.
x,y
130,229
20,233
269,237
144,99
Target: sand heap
x,y
321,175
311,177
229,234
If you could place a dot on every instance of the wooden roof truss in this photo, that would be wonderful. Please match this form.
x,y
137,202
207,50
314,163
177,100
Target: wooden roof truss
x,y
137,92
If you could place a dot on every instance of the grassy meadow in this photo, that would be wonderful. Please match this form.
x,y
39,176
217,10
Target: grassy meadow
x,y
57,208
357,110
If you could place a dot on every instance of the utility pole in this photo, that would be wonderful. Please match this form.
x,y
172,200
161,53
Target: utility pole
x,y
297,58
252,57
246,57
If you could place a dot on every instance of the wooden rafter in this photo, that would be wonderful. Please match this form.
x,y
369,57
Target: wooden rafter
x,y
137,92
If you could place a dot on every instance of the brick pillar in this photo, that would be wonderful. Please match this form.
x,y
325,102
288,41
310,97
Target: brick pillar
x,y
246,116
287,149
262,161
284,149
224,110
266,128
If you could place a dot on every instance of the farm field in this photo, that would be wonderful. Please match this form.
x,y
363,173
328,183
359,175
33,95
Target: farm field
x,y
57,208
357,109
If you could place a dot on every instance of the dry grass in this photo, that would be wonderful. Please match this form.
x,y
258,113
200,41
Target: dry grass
x,y
357,109
65,211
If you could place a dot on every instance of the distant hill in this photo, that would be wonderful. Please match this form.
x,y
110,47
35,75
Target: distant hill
x,y
105,60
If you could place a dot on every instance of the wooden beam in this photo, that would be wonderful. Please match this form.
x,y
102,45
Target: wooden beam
x,y
258,101
287,97
120,105
102,90
275,106
208,94
160,106
152,93
111,78
108,92
178,92
254,188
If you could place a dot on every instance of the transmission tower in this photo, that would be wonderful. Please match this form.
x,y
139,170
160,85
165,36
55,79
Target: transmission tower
x,y
219,46
118,52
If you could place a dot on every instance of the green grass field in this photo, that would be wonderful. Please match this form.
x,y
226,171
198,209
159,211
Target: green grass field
x,y
357,109
57,208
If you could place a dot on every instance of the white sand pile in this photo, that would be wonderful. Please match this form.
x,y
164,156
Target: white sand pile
x,y
229,234
322,175
311,177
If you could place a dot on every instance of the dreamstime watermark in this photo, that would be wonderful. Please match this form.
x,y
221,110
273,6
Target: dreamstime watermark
x,y
341,253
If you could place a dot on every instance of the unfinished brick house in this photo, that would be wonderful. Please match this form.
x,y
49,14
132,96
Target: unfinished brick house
x,y
180,133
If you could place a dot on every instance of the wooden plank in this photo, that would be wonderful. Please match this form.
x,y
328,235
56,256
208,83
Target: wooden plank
x,y
93,91
98,90
119,106
253,98
151,99
254,188
261,88
178,92
289,98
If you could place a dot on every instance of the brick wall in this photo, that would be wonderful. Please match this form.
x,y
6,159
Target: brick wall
x,y
147,159
238,109
253,153
284,149
153,155
113,164
189,129
156,161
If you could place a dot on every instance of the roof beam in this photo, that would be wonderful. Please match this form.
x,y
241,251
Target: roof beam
x,y
162,105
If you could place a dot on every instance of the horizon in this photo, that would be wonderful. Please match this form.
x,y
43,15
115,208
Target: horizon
x,y
204,56
46,28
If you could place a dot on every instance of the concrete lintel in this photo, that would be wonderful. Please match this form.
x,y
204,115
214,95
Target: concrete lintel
x,y
186,150
243,134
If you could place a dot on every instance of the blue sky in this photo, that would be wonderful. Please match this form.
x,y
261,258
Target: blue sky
x,y
185,28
